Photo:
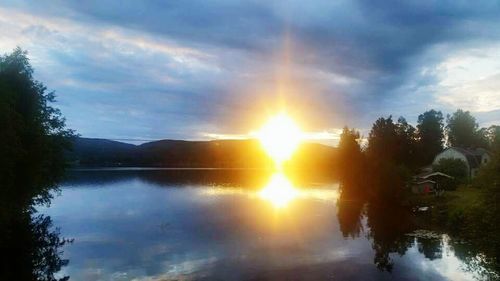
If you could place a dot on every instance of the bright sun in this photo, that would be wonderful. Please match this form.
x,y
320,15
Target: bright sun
x,y
280,137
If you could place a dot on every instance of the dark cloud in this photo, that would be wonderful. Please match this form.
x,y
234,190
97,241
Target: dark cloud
x,y
204,65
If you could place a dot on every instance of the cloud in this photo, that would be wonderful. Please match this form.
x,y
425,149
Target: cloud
x,y
328,137
182,69
470,78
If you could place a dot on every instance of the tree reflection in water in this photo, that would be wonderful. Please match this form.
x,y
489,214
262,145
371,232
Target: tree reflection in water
x,y
388,226
33,246
430,248
387,230
350,213
30,245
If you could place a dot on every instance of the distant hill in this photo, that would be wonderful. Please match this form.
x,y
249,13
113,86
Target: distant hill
x,y
88,152
101,152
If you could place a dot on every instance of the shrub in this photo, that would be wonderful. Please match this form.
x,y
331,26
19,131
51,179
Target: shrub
x,y
453,167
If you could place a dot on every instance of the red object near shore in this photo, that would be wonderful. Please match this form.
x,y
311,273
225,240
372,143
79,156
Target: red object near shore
x,y
427,189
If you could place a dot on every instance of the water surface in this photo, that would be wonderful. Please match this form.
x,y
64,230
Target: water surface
x,y
237,225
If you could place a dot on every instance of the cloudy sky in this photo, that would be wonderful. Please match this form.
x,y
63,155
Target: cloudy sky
x,y
206,69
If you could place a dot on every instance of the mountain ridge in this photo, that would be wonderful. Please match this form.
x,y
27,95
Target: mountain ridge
x,y
231,153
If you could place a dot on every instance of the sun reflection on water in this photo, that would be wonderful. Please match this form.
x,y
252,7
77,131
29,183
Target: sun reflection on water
x,y
279,191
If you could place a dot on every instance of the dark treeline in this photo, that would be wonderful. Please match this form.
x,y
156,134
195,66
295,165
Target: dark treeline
x,y
33,138
168,153
396,150
88,152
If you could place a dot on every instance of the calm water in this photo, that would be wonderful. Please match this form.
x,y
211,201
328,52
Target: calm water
x,y
237,225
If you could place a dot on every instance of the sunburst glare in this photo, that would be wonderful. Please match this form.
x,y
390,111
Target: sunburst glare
x,y
280,137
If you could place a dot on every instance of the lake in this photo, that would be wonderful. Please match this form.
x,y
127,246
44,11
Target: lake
x,y
147,224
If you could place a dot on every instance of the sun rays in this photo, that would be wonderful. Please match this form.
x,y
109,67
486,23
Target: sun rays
x,y
280,137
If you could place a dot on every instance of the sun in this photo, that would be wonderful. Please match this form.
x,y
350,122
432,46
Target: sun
x,y
280,137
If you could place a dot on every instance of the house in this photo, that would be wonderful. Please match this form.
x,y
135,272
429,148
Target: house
x,y
423,187
429,182
473,158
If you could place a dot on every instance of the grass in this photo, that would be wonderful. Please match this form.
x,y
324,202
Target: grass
x,y
453,208
463,198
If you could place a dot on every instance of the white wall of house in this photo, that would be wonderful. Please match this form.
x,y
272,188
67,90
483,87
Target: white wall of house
x,y
454,154
485,159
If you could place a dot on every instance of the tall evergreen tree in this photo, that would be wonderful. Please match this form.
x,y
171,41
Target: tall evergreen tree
x,y
351,162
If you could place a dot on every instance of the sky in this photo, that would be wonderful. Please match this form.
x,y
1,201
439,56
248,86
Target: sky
x,y
208,69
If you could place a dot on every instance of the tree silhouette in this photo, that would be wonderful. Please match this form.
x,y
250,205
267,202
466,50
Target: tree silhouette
x,y
33,138
430,134
390,151
33,135
351,164
462,129
406,149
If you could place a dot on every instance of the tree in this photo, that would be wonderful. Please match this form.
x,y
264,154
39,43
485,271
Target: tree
x,y
462,130
406,150
430,135
388,149
33,135
349,148
382,140
484,224
493,137
394,143
351,162
33,139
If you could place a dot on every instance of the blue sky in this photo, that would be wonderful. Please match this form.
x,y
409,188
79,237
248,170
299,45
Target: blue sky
x,y
209,69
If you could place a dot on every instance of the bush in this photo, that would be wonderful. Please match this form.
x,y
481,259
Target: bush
x,y
453,167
